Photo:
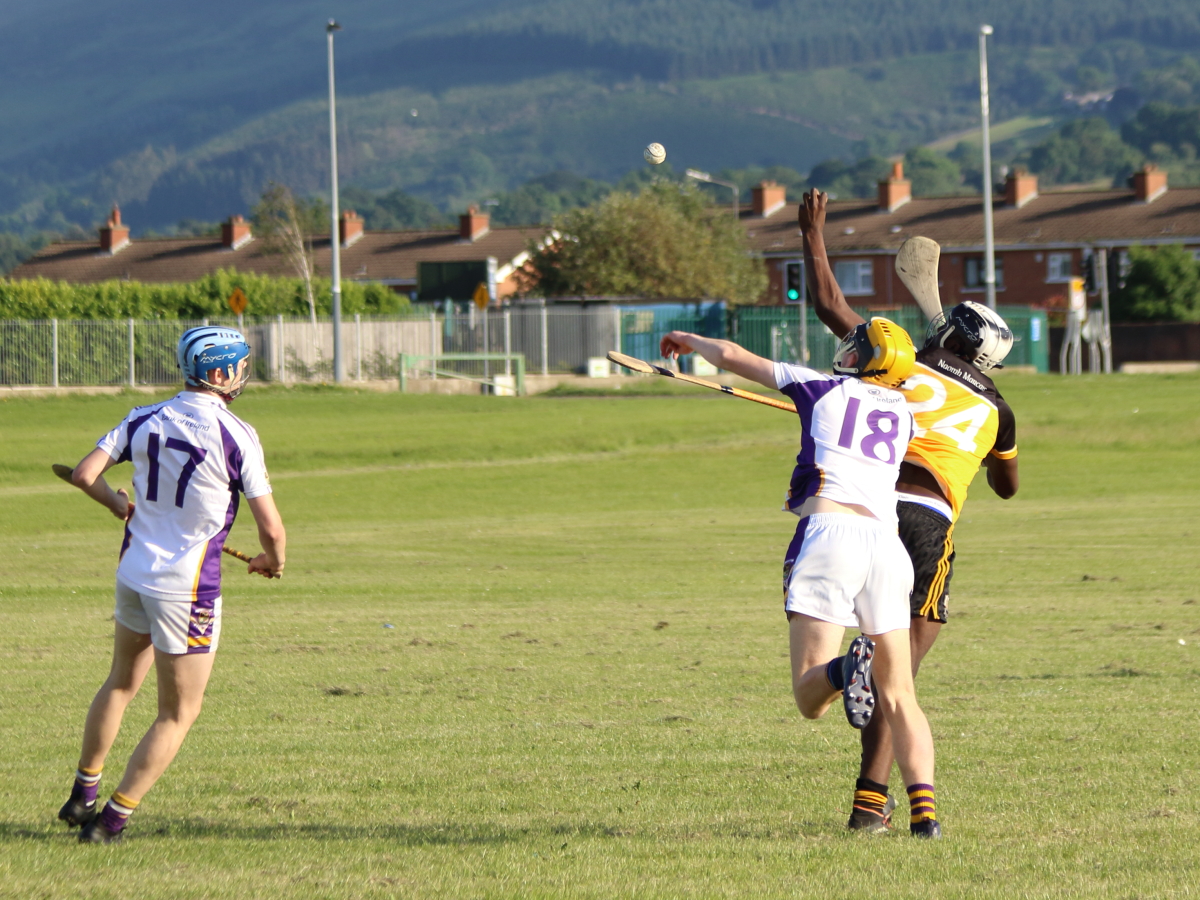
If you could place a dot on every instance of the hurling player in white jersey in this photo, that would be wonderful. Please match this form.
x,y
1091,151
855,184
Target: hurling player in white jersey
x,y
191,459
846,566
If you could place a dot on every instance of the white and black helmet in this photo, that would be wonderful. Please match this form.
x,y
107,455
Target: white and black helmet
x,y
974,332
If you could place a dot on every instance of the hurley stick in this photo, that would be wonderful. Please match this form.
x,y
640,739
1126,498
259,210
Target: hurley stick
x,y
64,472
646,368
917,266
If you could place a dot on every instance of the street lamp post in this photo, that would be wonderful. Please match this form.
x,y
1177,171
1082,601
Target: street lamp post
x,y
339,363
989,243
704,176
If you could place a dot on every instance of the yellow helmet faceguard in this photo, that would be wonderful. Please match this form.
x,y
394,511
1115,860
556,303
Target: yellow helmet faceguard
x,y
884,353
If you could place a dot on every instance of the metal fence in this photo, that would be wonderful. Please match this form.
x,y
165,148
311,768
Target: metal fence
x,y
552,340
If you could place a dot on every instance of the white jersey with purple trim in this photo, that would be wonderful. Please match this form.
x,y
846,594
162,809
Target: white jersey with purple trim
x,y
854,436
191,457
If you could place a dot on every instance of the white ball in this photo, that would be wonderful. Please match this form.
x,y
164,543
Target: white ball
x,y
655,154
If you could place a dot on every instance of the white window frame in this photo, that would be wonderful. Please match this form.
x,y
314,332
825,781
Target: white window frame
x,y
1055,263
856,277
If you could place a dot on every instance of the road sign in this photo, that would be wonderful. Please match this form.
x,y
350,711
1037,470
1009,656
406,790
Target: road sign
x,y
481,295
238,301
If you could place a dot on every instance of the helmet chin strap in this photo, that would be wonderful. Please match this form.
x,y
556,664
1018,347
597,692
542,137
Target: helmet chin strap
x,y
237,381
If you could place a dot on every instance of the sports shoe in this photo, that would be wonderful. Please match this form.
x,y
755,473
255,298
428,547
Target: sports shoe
x,y
870,822
95,832
76,812
857,694
926,828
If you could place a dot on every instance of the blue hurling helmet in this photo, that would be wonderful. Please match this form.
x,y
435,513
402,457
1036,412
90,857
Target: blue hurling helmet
x,y
211,347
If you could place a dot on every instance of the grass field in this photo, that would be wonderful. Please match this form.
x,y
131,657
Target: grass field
x,y
585,692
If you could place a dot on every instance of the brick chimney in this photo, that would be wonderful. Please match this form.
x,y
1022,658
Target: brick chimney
x,y
350,228
767,198
473,224
113,235
896,191
1149,183
1019,188
235,233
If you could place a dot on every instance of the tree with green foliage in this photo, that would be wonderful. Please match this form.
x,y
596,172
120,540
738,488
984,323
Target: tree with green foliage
x,y
13,252
541,199
931,174
1162,285
1083,150
40,298
666,241
394,211
1164,130
846,180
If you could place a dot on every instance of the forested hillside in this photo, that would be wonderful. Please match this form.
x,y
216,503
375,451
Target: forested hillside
x,y
187,115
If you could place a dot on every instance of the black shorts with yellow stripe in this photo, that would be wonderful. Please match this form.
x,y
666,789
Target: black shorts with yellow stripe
x,y
928,536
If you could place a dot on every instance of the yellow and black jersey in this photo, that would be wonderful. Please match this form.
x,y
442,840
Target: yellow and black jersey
x,y
960,418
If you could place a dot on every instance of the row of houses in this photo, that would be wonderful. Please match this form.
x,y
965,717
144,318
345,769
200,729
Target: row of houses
x,y
1041,240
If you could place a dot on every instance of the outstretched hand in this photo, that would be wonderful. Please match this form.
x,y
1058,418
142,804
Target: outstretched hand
x,y
812,211
676,343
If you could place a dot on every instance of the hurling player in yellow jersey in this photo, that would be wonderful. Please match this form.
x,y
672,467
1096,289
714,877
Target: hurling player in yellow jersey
x,y
962,422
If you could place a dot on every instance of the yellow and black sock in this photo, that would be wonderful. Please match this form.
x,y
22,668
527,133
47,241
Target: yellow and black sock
x,y
870,796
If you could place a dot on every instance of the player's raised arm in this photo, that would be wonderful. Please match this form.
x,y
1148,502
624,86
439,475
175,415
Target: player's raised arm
x,y
723,354
828,301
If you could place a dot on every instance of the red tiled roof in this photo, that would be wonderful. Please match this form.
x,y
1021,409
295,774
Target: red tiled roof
x,y
390,256
1065,218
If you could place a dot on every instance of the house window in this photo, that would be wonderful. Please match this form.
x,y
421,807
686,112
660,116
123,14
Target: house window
x,y
974,268
855,278
1196,255
1058,267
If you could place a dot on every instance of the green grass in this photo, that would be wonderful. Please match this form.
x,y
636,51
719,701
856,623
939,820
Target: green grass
x,y
586,690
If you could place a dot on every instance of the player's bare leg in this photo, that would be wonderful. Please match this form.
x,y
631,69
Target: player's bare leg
x,y
813,644
877,755
132,656
182,679
181,682
912,740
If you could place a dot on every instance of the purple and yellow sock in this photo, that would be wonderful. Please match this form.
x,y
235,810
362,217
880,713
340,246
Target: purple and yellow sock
x,y
117,811
921,805
87,786
870,796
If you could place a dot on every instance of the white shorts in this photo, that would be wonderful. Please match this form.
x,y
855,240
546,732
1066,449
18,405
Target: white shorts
x,y
174,626
848,570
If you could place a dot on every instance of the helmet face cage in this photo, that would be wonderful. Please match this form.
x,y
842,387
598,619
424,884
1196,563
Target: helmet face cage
x,y
206,348
983,336
885,353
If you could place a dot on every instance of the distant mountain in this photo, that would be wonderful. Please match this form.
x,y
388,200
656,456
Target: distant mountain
x,y
187,110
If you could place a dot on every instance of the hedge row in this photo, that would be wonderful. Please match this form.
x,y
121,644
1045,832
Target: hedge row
x,y
268,296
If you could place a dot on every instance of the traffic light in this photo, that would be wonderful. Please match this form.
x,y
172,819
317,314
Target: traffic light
x,y
793,282
1090,283
1118,268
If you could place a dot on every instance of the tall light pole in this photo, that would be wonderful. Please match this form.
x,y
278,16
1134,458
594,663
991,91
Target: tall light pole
x,y
704,176
335,244
989,243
